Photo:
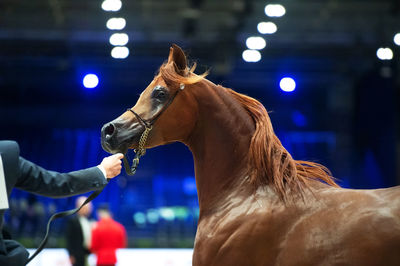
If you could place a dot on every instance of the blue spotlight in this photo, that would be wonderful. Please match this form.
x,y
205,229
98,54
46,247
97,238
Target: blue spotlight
x,y
90,81
287,84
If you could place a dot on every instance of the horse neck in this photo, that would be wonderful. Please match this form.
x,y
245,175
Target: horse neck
x,y
219,143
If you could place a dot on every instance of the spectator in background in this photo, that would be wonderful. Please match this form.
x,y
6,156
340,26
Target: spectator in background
x,y
107,236
78,234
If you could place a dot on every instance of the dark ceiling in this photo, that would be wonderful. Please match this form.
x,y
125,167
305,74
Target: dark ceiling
x,y
47,45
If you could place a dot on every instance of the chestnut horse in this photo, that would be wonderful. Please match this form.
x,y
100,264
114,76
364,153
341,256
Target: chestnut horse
x,y
258,206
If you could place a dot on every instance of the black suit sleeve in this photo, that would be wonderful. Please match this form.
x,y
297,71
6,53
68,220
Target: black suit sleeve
x,y
38,180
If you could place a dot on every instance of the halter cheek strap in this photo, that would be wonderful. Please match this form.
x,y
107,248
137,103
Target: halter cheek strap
x,y
148,126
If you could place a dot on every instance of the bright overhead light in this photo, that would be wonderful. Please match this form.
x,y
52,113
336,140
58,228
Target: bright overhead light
x,y
116,23
384,53
274,10
90,81
267,27
255,43
120,52
111,5
251,56
287,84
119,39
396,39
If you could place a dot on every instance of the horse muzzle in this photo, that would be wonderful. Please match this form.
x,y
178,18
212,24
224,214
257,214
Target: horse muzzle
x,y
117,137
109,138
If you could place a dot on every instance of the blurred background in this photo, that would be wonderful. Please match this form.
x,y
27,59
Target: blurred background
x,y
327,70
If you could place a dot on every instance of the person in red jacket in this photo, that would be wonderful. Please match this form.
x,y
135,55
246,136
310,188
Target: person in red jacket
x,y
107,236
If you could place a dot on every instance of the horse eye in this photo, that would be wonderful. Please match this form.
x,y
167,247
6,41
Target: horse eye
x,y
159,93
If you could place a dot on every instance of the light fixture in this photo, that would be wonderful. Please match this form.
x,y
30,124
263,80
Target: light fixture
x,y
396,39
111,5
90,81
120,52
251,56
287,84
267,27
384,53
119,39
116,23
255,43
274,10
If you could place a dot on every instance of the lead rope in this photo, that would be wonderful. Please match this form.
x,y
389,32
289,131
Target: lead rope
x,y
61,215
139,152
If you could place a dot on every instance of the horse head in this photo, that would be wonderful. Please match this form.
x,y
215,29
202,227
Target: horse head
x,y
164,106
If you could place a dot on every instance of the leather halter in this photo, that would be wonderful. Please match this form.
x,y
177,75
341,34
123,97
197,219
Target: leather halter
x,y
148,125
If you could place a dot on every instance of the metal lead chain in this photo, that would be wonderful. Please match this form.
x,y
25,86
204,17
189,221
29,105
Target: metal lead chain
x,y
140,151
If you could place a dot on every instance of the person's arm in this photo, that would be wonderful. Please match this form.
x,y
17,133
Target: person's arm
x,y
38,180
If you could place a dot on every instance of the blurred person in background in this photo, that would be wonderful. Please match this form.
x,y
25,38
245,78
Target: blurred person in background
x,y
18,172
78,234
107,236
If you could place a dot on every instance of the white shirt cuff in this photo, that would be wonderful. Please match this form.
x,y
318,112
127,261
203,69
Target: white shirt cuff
x,y
102,170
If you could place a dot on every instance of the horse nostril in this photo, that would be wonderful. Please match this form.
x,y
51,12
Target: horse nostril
x,y
109,131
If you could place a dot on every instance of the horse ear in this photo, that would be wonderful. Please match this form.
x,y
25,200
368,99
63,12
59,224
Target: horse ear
x,y
177,56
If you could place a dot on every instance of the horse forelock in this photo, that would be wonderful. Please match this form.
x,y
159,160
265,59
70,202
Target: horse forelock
x,y
270,163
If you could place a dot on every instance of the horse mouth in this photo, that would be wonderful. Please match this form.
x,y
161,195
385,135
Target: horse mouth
x,y
108,147
120,142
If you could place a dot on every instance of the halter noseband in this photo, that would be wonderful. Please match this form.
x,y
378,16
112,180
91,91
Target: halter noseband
x,y
148,126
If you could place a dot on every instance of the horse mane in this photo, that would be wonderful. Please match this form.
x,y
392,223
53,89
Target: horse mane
x,y
269,163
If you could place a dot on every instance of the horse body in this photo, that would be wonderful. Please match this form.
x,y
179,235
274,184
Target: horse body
x,y
330,226
283,214
333,227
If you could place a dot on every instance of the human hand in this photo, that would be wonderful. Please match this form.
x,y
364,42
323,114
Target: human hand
x,y
72,259
112,165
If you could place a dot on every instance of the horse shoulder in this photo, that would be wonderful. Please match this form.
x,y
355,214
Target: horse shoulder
x,y
246,235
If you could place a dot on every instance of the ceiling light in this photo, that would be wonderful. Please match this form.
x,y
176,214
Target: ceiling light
x,y
255,43
276,10
287,84
111,5
251,56
384,54
120,52
267,27
119,39
90,81
116,23
396,39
